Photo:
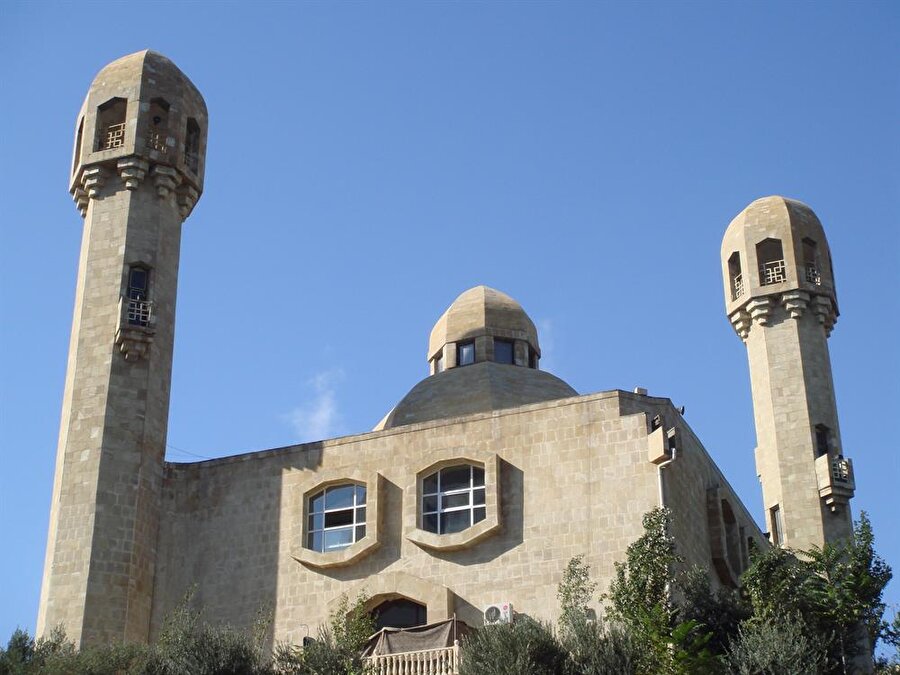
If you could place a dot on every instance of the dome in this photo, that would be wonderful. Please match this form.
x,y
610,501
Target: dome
x,y
481,387
158,69
481,312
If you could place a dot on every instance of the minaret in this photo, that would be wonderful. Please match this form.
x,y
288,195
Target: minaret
x,y
138,167
780,298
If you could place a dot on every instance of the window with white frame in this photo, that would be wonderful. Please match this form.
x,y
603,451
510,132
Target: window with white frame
x,y
453,499
336,517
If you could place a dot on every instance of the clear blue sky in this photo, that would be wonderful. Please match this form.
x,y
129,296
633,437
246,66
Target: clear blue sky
x,y
368,162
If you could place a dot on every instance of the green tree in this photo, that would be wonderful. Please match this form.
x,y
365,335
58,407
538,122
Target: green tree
x,y
719,611
836,590
640,598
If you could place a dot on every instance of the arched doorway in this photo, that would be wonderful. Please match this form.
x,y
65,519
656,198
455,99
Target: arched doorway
x,y
399,613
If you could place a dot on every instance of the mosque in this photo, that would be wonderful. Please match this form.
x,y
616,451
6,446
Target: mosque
x,y
474,491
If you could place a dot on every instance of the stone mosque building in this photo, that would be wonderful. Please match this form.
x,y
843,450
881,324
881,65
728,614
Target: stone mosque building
x,y
474,490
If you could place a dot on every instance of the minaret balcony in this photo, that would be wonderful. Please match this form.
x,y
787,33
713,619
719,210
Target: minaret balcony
x,y
136,327
834,474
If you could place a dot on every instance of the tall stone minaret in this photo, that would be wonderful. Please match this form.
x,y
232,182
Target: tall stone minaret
x,y
137,172
780,298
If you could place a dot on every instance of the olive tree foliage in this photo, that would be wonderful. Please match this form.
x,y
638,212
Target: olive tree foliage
x,y
523,647
782,644
338,651
190,646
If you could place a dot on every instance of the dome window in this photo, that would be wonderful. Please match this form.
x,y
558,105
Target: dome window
x,y
336,518
503,351
465,353
453,499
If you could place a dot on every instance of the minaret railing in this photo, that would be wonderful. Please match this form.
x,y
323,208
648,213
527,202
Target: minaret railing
x,y
737,286
812,274
772,272
113,136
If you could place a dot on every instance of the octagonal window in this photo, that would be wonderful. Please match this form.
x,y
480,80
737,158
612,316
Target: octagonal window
x,y
453,499
336,517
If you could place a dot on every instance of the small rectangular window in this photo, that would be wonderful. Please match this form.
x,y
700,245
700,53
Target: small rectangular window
x,y
465,354
776,525
439,363
821,440
503,351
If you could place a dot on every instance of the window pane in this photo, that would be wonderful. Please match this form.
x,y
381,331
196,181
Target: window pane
x,y
451,501
317,503
478,496
360,495
335,539
455,478
429,504
360,532
465,354
339,518
314,541
429,485
455,521
138,280
503,351
315,522
477,476
361,515
339,497
478,514
430,522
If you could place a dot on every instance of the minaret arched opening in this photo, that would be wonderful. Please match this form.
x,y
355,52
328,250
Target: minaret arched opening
x,y
770,256
111,124
158,129
735,277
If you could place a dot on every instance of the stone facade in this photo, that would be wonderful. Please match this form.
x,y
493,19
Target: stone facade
x,y
574,475
548,474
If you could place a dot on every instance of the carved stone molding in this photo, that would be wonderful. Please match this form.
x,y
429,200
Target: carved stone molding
x,y
132,171
824,311
795,302
165,179
187,198
759,310
741,322
92,179
81,200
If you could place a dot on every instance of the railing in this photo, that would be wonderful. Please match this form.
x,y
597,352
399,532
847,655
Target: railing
x,y
841,470
113,137
737,286
812,274
137,312
156,140
772,272
444,661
